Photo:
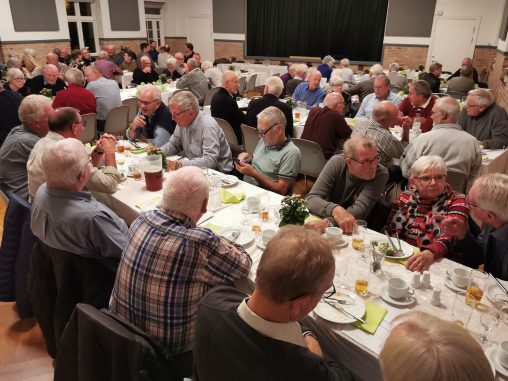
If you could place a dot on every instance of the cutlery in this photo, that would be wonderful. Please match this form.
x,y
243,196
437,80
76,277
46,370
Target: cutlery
x,y
500,285
398,252
340,309
340,301
234,235
398,240
133,142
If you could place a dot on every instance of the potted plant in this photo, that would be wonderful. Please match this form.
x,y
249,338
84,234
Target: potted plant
x,y
294,211
46,92
152,150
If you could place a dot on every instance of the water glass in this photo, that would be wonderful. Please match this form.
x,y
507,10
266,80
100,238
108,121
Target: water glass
x,y
358,238
463,305
488,320
476,285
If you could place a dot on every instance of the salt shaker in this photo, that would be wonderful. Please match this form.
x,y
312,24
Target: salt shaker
x,y
436,297
415,280
426,279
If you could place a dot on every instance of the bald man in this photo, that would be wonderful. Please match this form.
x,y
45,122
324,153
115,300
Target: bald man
x,y
47,80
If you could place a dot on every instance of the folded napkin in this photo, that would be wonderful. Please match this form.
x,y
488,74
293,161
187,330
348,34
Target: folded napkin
x,y
151,203
213,227
228,197
312,217
374,315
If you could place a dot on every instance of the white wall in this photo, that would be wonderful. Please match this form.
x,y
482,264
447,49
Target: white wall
x,y
178,11
103,22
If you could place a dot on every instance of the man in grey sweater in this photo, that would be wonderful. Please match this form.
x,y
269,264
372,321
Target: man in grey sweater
x,y
348,187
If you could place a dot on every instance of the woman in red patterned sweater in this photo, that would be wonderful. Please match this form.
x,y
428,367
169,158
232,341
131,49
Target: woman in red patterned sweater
x,y
419,210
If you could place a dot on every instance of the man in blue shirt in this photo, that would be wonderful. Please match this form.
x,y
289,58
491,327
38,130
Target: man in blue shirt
x,y
381,93
309,91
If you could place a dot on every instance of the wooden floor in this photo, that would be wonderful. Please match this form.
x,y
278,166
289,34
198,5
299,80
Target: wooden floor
x,y
23,355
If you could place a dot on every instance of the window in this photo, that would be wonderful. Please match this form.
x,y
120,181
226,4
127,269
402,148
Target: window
x,y
154,22
81,22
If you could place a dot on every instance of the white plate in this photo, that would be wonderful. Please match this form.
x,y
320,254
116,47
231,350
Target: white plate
x,y
448,282
406,248
409,300
491,354
329,313
492,290
340,245
228,181
246,235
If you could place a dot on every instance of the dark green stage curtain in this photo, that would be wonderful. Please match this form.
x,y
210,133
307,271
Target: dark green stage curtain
x,y
342,28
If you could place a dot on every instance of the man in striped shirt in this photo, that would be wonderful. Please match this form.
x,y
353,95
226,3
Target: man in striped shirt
x,y
169,264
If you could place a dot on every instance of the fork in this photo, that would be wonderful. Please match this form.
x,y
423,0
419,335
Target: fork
x,y
340,301
398,252
234,235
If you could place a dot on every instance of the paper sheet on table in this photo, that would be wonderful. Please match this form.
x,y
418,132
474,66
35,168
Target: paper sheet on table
x,y
151,203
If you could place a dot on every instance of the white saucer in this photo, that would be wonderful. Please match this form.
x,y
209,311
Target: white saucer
x,y
448,282
343,243
228,181
260,243
397,302
491,354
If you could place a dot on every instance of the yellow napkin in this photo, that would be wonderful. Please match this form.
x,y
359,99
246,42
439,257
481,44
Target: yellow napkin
x,y
374,315
312,217
212,227
228,197
149,204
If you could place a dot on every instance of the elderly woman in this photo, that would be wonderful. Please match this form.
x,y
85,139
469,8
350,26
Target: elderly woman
x,y
337,86
16,81
145,73
171,71
419,210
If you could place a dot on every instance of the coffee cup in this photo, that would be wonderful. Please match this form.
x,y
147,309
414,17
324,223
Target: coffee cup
x,y
334,234
398,288
254,203
502,353
267,235
459,277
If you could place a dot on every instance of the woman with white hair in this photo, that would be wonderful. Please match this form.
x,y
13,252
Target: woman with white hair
x,y
418,211
171,71
337,86
16,81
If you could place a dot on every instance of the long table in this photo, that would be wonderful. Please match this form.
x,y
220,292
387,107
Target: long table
x,y
354,348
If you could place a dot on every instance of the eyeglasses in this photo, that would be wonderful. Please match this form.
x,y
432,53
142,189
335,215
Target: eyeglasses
x,y
181,112
327,294
367,161
82,122
428,179
20,78
263,133
146,103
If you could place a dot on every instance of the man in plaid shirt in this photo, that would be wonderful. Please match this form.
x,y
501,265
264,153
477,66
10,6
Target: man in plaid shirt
x,y
169,264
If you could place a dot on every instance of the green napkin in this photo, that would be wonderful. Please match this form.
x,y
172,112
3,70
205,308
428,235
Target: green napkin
x,y
374,315
228,197
149,204
212,227
313,218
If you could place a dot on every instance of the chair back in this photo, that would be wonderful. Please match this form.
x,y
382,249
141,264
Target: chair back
x,y
251,83
250,138
457,180
228,131
313,159
116,121
132,103
243,84
209,95
90,133
455,94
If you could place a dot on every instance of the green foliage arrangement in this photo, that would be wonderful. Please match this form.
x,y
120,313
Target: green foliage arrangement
x,y
294,211
152,150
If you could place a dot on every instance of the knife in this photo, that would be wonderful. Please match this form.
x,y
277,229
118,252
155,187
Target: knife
x,y
500,285
340,309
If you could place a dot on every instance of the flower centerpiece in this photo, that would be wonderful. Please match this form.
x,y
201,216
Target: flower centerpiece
x,y
290,102
163,78
46,92
152,150
293,211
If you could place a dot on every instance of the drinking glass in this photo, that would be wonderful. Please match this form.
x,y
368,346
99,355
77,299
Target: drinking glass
x,y
358,238
501,301
489,320
340,274
476,285
246,212
362,276
463,305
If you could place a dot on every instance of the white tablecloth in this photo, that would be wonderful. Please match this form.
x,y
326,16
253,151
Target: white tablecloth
x,y
125,79
165,94
265,70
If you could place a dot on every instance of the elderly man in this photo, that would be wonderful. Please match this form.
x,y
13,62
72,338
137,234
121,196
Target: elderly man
x,y
419,103
63,123
484,119
213,74
113,56
223,104
75,95
459,150
466,63
432,77
262,331
488,202
181,67
286,77
337,86
364,88
398,82
65,217
460,86
9,104
275,163
300,75
326,67
327,127
48,80
107,68
381,93
33,113
145,73
271,92
377,128
52,59
194,80
197,135
154,121
167,254
106,91
309,91
346,71
348,187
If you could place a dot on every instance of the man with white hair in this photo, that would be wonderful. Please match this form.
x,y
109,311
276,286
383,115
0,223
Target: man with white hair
x,y
398,82
326,67
170,263
309,91
197,135
145,73
459,150
213,74
224,106
107,67
52,59
75,95
327,127
33,112
381,93
300,75
67,218
181,66
48,80
194,80
286,77
271,92
113,56
488,202
485,120
154,121
346,71
275,162
364,88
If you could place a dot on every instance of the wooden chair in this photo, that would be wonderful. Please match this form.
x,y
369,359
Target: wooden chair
x,y
132,103
313,159
457,180
209,96
250,138
116,121
90,133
